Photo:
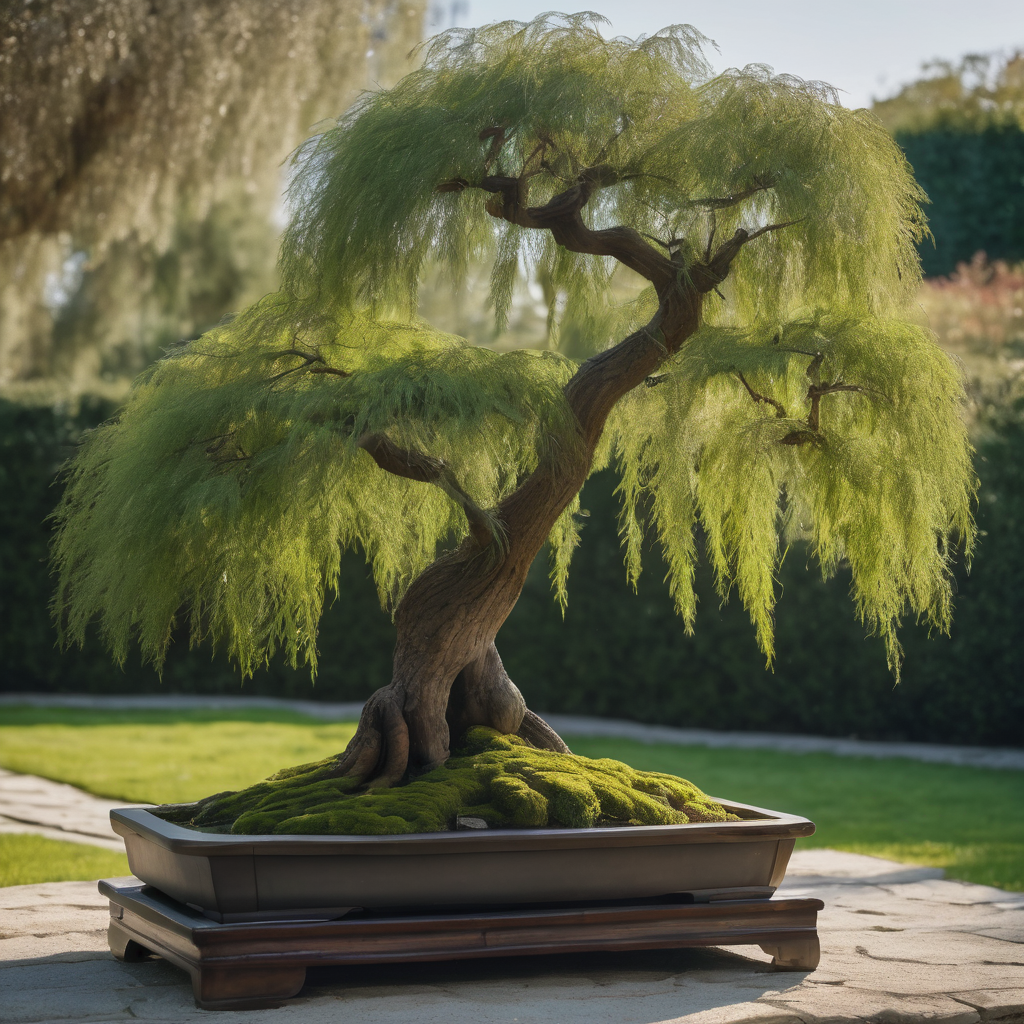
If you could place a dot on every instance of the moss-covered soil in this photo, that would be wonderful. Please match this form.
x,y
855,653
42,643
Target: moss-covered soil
x,y
497,778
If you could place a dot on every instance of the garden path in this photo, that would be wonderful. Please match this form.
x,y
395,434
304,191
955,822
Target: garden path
x,y
57,810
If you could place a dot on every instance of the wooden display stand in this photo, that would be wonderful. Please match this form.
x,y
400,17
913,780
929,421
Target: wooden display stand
x,y
253,964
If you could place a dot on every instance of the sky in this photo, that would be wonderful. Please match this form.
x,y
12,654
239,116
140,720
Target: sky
x,y
867,49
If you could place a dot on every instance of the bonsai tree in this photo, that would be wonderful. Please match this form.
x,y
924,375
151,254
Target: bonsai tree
x,y
763,386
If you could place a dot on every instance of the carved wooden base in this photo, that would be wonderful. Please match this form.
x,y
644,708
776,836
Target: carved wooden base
x,y
252,964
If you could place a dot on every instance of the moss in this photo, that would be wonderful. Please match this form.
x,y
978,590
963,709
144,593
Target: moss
x,y
498,778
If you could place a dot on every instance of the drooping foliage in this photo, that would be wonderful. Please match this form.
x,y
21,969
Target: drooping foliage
x,y
234,477
369,215
232,482
499,779
728,438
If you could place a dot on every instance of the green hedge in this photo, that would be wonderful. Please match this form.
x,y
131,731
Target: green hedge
x,y
975,181
616,653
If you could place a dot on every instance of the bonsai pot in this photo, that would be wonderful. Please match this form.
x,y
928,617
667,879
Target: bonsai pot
x,y
251,878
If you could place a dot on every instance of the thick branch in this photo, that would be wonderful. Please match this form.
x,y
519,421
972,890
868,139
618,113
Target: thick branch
x,y
424,468
561,215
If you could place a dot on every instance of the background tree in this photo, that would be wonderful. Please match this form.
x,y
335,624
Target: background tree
x,y
141,149
765,387
962,129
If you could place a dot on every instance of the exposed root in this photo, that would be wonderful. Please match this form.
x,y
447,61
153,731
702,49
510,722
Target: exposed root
x,y
378,754
400,731
483,694
539,734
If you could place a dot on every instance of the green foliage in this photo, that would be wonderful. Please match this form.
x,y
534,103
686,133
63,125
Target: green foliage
x,y
225,493
368,216
232,482
724,438
618,654
498,778
826,679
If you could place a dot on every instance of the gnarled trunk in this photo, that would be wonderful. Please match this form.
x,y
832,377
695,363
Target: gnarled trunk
x,y
447,672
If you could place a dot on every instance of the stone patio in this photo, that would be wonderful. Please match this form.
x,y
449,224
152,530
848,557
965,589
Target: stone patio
x,y
898,944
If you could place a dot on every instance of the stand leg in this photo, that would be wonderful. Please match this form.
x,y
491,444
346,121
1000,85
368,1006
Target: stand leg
x,y
795,954
123,947
223,988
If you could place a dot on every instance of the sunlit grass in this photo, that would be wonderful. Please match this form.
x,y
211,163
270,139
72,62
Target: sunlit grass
x,y
965,820
162,757
28,859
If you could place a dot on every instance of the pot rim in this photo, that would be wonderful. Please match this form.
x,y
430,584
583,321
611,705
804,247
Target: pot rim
x,y
758,823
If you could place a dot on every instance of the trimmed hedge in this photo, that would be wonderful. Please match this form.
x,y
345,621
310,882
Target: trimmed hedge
x,y
975,181
616,653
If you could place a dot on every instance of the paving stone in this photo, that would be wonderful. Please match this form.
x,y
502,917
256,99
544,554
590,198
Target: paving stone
x,y
847,1003
994,1003
56,810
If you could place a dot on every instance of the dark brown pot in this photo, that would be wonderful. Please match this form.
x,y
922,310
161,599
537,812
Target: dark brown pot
x,y
237,878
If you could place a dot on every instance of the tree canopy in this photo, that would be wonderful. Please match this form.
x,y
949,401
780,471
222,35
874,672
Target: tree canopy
x,y
981,92
806,405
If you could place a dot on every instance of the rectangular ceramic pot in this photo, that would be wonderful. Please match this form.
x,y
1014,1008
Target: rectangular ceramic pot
x,y
239,878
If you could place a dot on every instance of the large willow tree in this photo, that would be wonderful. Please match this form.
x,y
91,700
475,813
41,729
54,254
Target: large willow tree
x,y
763,387
141,146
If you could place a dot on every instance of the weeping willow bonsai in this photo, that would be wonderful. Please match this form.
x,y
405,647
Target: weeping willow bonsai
x,y
764,385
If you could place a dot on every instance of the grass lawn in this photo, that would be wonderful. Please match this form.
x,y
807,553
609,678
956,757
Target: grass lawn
x,y
966,820
162,757
27,859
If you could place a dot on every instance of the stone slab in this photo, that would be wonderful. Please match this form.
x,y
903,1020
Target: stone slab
x,y
899,944
32,804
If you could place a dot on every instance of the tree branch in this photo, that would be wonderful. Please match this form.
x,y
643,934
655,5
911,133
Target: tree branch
x,y
561,215
604,378
722,202
497,136
780,412
815,392
772,227
708,275
414,465
310,359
